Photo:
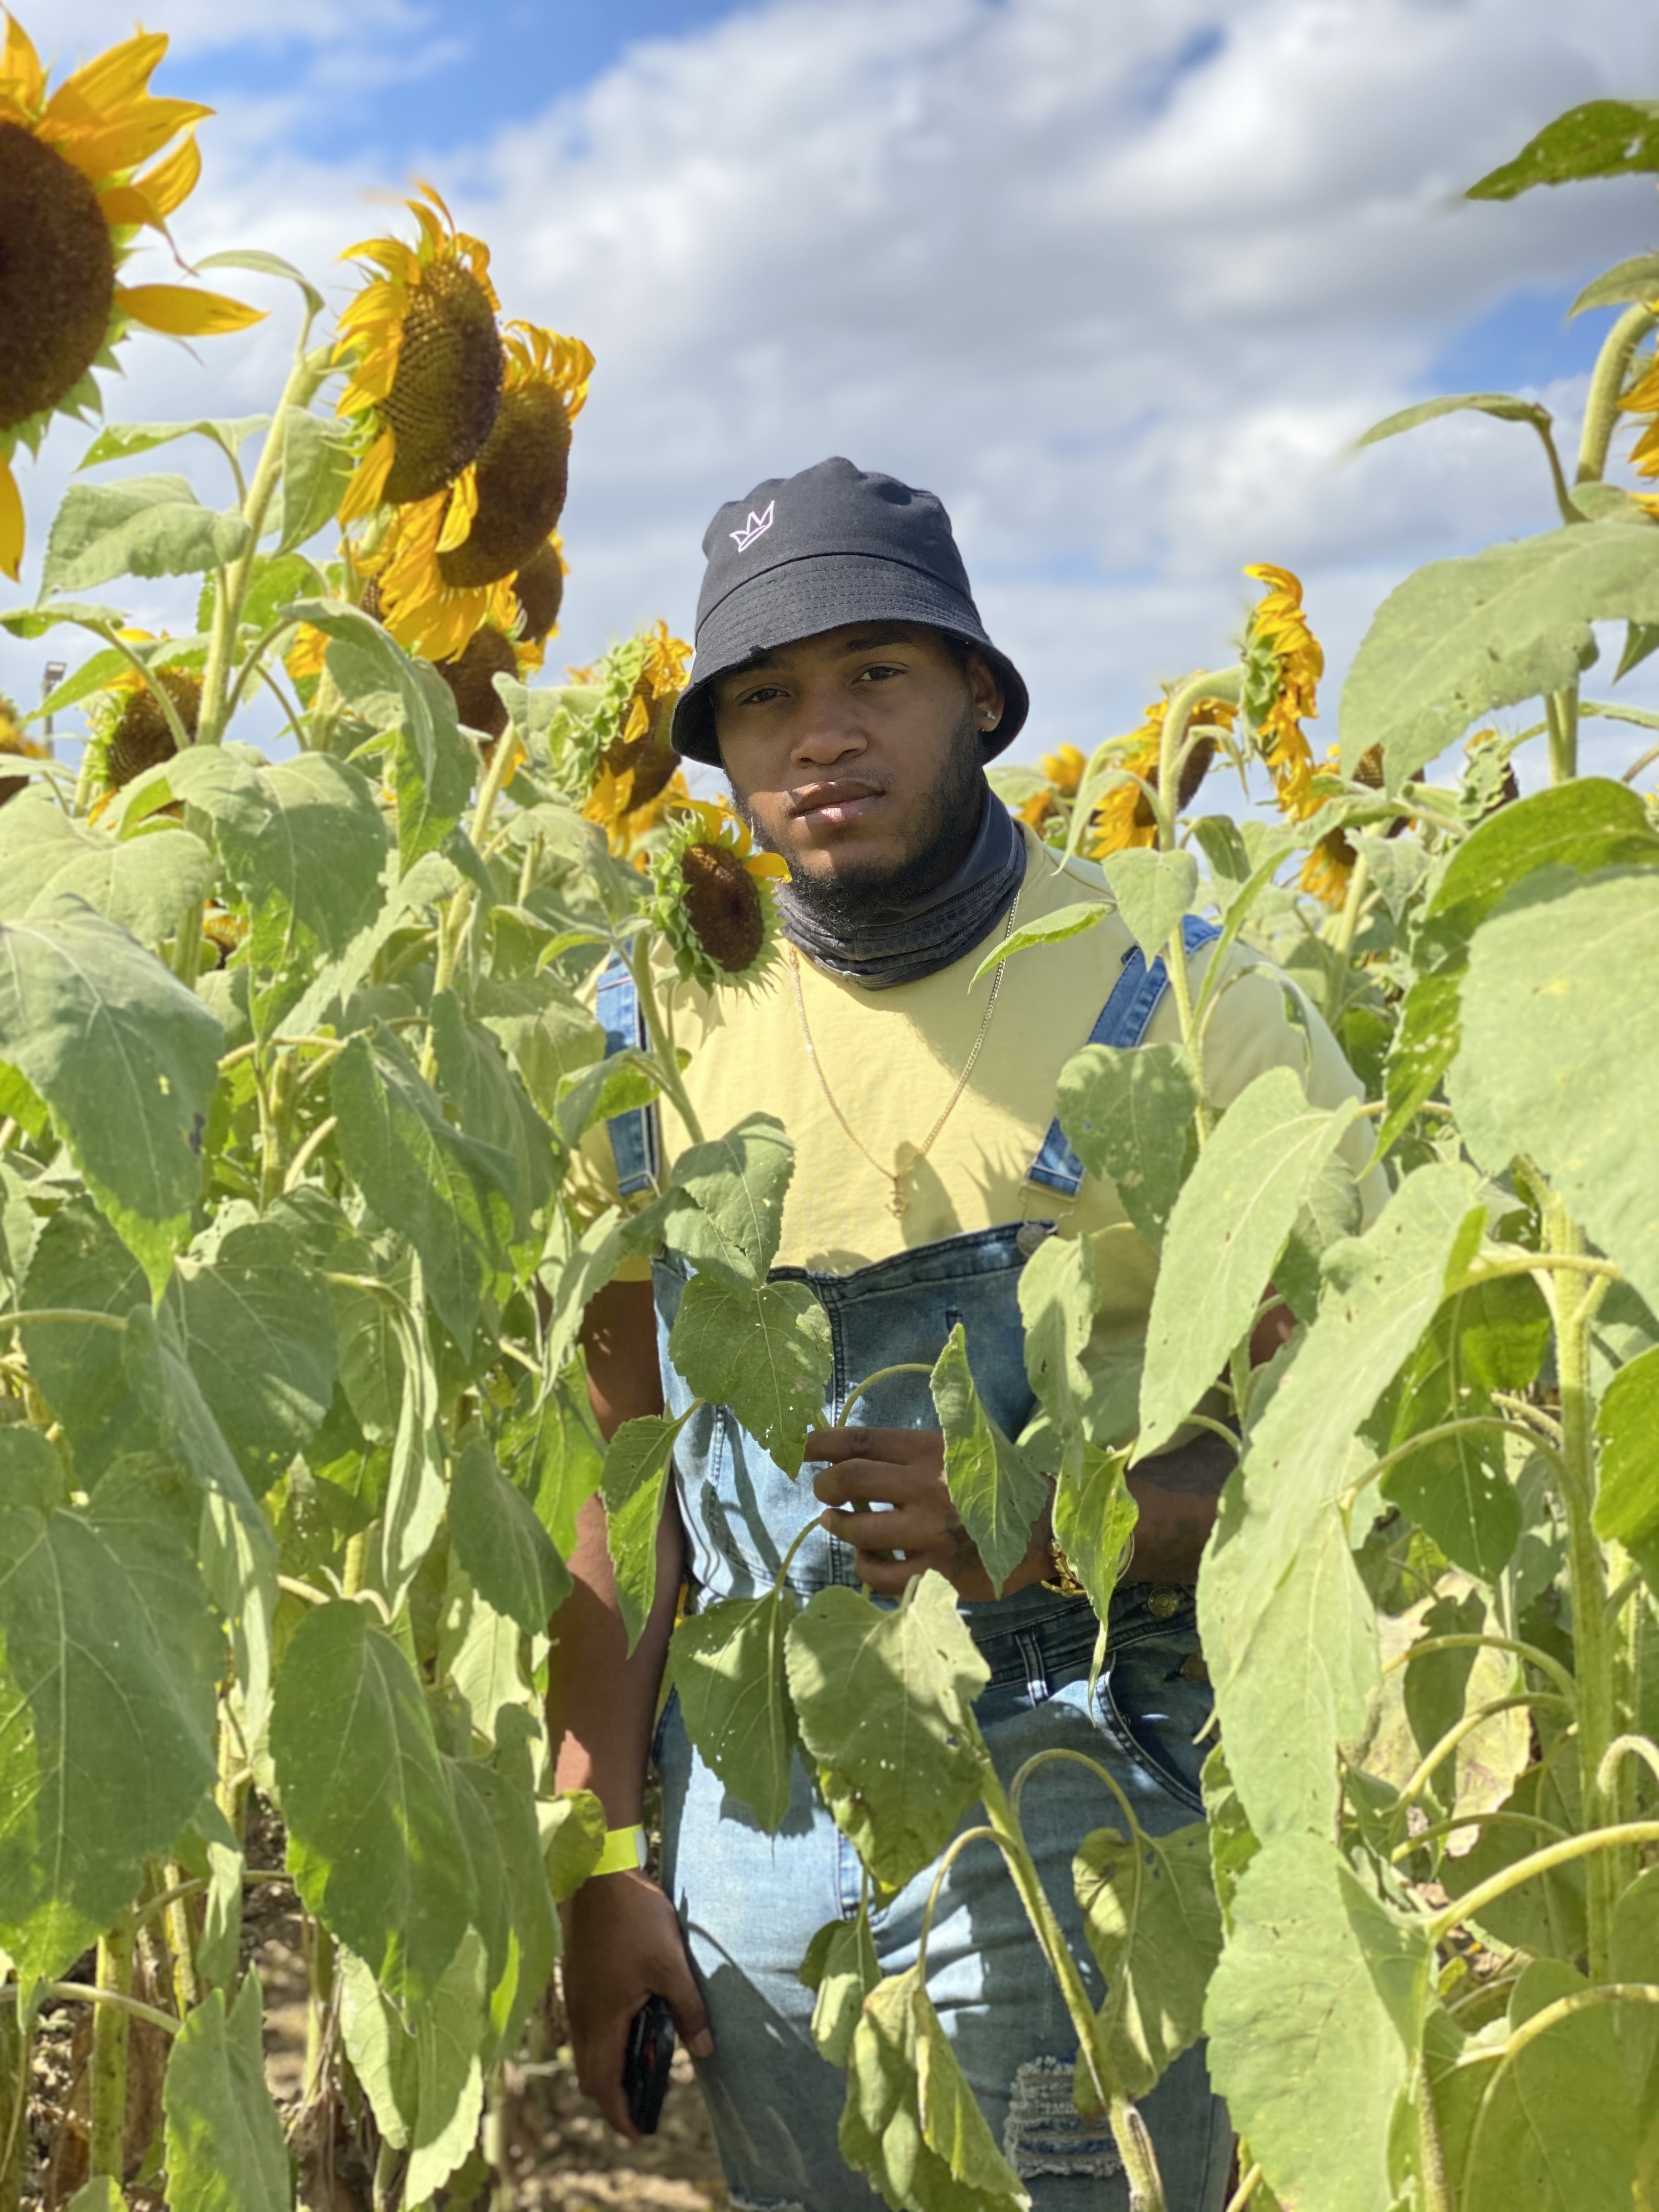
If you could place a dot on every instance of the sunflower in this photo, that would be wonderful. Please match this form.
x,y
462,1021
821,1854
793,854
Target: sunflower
x,y
425,359
449,562
13,741
70,207
638,762
1125,817
1283,663
711,902
470,676
538,588
1063,771
129,728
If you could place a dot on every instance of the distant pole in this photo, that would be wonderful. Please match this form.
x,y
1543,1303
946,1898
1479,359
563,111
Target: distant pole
x,y
54,673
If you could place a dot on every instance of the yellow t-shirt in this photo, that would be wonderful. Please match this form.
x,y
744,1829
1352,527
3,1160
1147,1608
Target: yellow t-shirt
x,y
892,1058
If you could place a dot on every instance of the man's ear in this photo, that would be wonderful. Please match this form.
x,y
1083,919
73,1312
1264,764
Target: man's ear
x,y
985,691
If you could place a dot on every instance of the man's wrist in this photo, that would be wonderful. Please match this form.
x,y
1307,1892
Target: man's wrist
x,y
626,1851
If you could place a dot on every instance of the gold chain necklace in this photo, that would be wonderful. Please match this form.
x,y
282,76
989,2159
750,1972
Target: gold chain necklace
x,y
911,1159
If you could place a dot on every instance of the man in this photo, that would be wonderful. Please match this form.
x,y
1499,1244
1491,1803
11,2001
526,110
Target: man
x,y
845,684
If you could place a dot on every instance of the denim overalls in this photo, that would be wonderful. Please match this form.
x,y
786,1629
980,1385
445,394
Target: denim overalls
x,y
750,1903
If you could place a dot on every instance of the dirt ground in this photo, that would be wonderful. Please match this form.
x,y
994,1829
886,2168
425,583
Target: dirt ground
x,y
557,2154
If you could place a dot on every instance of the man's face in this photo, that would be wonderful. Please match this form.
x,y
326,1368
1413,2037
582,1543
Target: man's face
x,y
855,754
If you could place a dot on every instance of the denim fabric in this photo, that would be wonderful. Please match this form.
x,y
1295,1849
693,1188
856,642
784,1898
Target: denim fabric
x,y
750,1904
741,1510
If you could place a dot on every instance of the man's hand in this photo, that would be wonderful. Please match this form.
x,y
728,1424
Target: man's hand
x,y
622,1944
904,1469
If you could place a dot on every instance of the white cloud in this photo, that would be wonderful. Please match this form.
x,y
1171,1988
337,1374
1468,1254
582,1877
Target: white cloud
x,y
1120,281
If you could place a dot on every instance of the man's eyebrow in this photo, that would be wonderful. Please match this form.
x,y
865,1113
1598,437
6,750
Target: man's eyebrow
x,y
868,639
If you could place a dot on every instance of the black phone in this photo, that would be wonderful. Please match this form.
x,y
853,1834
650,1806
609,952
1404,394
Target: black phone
x,y
646,2063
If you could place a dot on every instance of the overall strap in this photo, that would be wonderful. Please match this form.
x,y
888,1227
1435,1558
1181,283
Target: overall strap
x,y
634,1136
1124,1020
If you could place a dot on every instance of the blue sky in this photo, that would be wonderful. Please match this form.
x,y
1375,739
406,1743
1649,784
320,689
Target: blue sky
x,y
446,80
1121,279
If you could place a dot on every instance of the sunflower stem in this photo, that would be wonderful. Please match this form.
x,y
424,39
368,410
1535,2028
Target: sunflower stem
x,y
458,915
305,380
662,1046
1226,686
1607,389
1562,710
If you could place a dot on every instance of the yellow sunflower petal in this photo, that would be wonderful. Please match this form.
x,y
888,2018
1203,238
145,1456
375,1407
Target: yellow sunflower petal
x,y
118,77
11,521
770,865
23,80
125,206
172,182
184,313
460,514
363,493
101,146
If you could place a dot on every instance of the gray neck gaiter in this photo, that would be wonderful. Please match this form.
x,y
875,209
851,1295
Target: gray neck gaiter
x,y
902,943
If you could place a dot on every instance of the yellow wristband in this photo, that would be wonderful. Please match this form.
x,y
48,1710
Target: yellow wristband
x,y
624,1852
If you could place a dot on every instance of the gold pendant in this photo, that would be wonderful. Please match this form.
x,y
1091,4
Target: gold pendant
x,y
899,1204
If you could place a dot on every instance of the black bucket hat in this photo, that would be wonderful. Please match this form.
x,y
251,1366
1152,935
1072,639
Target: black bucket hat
x,y
808,553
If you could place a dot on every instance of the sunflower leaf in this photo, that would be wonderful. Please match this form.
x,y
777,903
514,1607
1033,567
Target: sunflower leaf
x,y
141,526
1601,138
1461,637
764,1351
125,1057
1497,403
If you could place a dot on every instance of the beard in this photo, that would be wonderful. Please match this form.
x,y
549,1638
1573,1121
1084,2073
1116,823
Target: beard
x,y
881,892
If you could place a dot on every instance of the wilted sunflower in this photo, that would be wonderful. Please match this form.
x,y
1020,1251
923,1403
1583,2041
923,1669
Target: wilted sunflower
x,y
1125,817
712,904
70,210
129,728
538,587
1328,869
426,361
1062,772
489,652
639,683
1283,663
13,742
449,562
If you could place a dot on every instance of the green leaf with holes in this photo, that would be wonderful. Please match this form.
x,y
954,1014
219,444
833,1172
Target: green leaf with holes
x,y
884,1698
727,1664
764,1351
1152,1923
1128,1113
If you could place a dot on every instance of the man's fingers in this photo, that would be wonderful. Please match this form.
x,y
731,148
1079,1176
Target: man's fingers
x,y
899,1530
599,2057
679,1987
890,1578
868,1482
899,1446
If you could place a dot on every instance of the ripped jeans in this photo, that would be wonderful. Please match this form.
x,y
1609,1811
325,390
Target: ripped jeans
x,y
749,1905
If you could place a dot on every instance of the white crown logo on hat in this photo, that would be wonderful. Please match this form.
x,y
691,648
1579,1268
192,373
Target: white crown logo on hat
x,y
756,526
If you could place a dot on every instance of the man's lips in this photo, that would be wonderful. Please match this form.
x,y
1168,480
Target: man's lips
x,y
832,805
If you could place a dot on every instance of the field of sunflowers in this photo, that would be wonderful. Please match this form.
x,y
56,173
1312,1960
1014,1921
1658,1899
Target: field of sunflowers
x,y
286,1490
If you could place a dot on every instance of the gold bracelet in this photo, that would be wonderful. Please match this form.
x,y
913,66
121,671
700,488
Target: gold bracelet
x,y
1063,1579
